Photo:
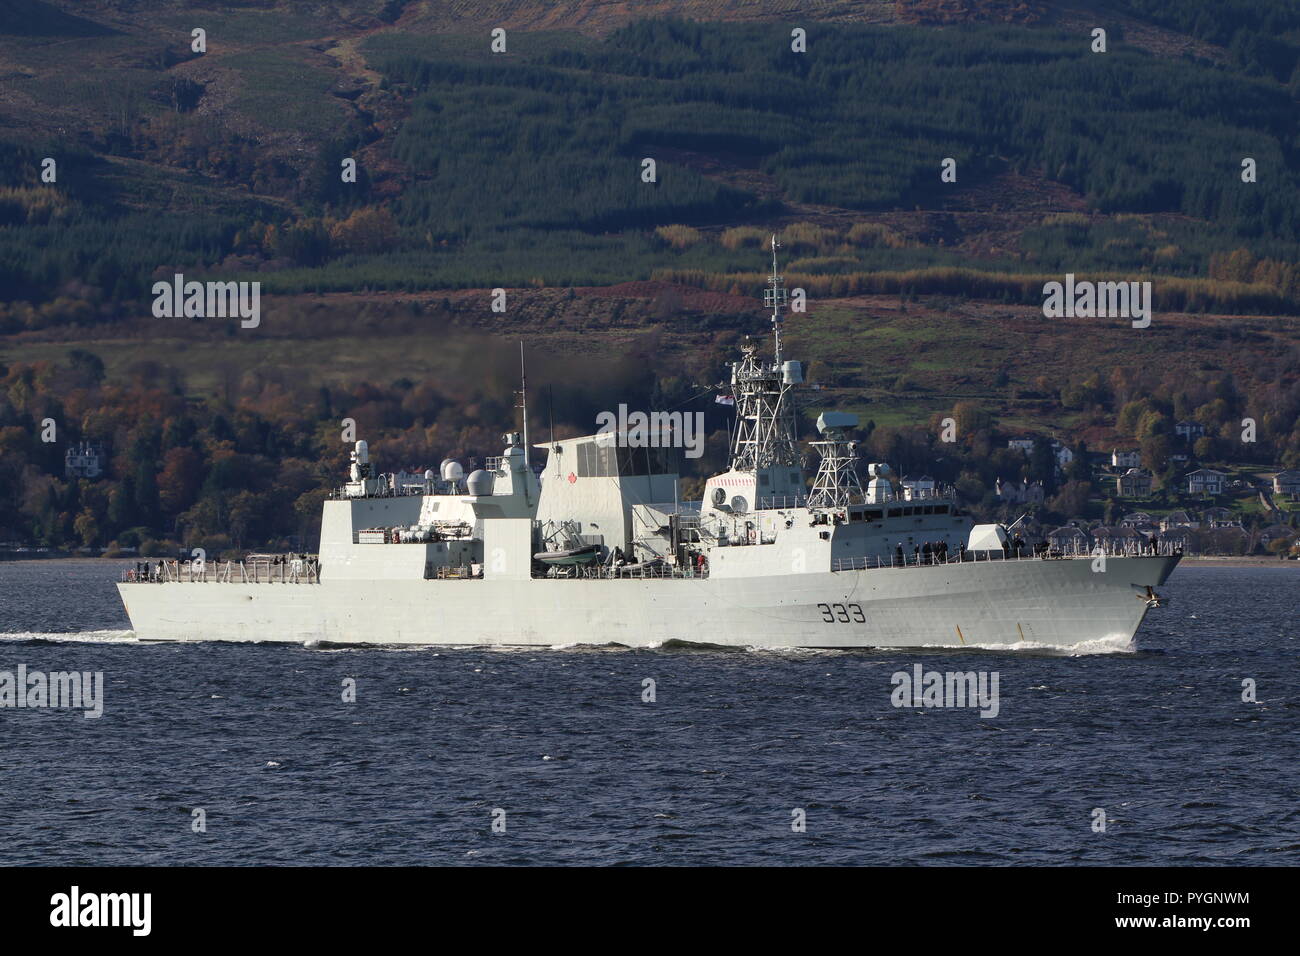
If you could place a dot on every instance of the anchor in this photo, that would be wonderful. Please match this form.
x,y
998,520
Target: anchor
x,y
1152,598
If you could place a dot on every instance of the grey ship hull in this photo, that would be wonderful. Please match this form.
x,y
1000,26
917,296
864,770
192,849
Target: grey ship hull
x,y
1055,603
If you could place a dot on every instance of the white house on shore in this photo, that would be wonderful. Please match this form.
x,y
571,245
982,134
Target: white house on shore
x,y
1205,481
1019,493
1219,518
1287,483
1179,519
1135,483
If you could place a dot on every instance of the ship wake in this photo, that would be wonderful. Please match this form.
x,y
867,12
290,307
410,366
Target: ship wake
x,y
71,637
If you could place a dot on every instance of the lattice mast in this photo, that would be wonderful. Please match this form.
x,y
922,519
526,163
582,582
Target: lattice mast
x,y
765,433
836,484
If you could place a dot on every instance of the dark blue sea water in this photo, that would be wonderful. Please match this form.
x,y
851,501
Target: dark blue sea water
x,y
287,773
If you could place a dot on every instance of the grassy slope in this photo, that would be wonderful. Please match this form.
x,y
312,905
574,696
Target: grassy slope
x,y
857,348
267,68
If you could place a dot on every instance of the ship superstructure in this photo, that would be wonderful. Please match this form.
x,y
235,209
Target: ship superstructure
x,y
601,550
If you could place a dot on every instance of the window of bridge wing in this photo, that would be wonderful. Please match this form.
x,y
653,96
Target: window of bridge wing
x,y
596,460
636,462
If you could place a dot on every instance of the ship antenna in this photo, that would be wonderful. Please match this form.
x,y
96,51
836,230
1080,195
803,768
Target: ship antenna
x,y
776,297
550,410
523,397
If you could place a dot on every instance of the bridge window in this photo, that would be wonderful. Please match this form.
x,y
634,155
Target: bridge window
x,y
596,461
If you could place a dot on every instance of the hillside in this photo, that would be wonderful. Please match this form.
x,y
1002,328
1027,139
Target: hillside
x,y
522,170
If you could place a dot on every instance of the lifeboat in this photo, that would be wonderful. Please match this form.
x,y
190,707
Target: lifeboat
x,y
586,554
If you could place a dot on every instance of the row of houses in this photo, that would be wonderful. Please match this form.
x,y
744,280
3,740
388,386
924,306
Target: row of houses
x,y
1133,481
1062,452
1133,459
1136,482
1189,431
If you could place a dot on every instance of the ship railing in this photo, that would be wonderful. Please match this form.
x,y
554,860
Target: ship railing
x,y
607,572
774,502
914,560
260,569
405,490
940,493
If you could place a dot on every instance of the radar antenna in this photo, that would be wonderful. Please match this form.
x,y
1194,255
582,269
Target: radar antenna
x,y
777,297
765,431
523,397
836,484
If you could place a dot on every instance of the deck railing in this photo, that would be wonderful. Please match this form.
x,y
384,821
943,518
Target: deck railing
x,y
260,570
971,557
607,572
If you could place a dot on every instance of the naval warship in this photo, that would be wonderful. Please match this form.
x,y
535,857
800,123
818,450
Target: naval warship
x,y
598,549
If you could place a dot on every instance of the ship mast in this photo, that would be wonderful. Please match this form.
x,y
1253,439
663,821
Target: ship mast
x,y
523,397
836,484
765,420
775,296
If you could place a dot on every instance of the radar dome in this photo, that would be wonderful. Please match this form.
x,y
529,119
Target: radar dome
x,y
480,482
452,470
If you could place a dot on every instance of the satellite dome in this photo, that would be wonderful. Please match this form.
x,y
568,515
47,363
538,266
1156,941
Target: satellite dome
x,y
480,482
452,470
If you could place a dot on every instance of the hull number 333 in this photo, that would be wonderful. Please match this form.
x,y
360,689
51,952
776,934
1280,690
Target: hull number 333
x,y
842,613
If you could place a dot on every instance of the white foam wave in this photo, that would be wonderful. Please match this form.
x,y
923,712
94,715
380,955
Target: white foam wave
x,y
1111,644
72,637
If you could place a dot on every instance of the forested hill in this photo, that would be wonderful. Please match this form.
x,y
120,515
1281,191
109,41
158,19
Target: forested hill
x,y
482,169
519,161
